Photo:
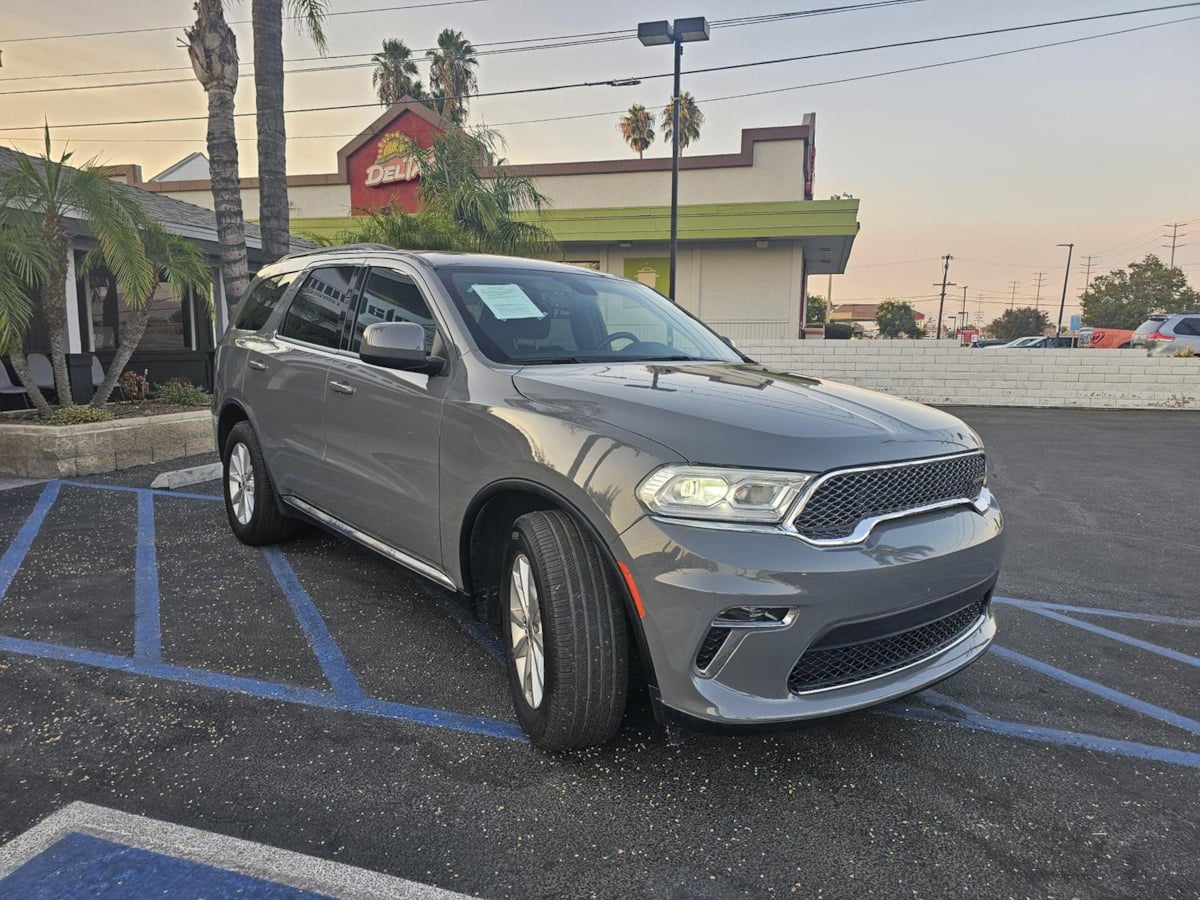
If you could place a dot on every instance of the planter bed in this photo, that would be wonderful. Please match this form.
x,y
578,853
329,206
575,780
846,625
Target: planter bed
x,y
44,451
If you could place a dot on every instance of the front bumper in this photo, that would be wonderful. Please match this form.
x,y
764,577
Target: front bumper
x,y
689,575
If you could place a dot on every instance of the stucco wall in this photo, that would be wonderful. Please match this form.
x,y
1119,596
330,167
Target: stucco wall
x,y
307,202
777,174
955,375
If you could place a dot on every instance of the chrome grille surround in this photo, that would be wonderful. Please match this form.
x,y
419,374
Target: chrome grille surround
x,y
841,507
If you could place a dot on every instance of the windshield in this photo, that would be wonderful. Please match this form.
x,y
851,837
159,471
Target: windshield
x,y
531,316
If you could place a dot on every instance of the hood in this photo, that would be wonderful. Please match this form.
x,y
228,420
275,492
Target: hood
x,y
746,415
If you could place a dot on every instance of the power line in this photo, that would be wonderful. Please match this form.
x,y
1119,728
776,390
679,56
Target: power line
x,y
548,88
346,12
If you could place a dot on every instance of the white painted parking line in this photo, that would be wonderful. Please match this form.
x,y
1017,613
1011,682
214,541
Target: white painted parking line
x,y
73,840
178,478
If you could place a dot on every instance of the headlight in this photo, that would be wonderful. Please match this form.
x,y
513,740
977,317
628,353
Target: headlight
x,y
721,495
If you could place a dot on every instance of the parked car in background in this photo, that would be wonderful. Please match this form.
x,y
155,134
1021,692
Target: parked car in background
x,y
1044,342
1141,334
611,485
981,343
1175,333
1105,338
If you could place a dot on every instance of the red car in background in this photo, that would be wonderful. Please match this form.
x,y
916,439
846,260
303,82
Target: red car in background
x,y
1105,338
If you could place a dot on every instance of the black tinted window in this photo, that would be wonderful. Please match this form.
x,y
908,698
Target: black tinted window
x,y
1190,327
261,301
391,297
316,313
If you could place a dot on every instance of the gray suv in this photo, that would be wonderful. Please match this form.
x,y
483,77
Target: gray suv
x,y
1166,335
612,485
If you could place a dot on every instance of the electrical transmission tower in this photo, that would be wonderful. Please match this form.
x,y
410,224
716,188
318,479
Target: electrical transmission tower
x,y
1037,303
1174,236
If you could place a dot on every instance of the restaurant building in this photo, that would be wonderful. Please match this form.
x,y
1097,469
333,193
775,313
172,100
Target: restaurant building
x,y
750,232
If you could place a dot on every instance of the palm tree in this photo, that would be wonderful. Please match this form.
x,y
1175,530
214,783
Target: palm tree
x,y
267,17
637,127
47,189
391,225
179,265
452,74
690,120
394,73
23,265
212,48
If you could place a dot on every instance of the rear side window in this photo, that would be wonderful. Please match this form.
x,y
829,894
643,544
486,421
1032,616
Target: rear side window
x,y
317,311
390,296
1150,325
1189,327
261,301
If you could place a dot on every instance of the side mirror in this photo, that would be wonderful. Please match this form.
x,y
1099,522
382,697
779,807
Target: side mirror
x,y
398,345
729,341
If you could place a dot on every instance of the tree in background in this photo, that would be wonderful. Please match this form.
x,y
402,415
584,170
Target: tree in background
x,y
212,48
395,73
896,318
23,266
691,120
816,309
1126,298
1024,321
46,188
637,128
267,18
180,268
452,77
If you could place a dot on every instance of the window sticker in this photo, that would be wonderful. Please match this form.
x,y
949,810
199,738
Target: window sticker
x,y
507,301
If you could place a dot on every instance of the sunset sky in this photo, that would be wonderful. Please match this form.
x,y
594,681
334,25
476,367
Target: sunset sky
x,y
994,161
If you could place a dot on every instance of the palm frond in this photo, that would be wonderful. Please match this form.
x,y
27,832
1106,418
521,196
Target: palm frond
x,y
310,16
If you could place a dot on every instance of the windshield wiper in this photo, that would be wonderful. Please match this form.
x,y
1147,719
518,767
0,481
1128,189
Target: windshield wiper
x,y
552,360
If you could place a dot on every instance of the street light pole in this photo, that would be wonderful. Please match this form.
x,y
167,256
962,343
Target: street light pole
x,y
1066,275
675,172
653,34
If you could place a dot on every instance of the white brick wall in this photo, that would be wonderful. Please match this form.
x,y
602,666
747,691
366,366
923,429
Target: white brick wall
x,y
951,375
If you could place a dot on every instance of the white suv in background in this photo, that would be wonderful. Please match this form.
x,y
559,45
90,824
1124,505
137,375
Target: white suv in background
x,y
1174,333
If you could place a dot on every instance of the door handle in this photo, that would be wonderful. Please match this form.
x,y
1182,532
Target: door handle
x,y
341,387
255,364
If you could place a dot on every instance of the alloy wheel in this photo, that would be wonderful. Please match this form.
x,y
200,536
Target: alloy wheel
x,y
525,627
241,483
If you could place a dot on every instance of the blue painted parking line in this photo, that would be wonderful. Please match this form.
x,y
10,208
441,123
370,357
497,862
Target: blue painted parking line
x,y
14,555
974,720
267,690
147,625
81,865
1097,611
1166,652
1100,690
156,492
329,655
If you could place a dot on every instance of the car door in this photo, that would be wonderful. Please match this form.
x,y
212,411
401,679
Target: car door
x,y
288,376
383,426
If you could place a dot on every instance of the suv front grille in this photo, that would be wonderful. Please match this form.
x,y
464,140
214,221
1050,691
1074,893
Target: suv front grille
x,y
843,500
823,668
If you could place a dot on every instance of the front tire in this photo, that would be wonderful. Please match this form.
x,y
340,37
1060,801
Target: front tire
x,y
565,633
250,501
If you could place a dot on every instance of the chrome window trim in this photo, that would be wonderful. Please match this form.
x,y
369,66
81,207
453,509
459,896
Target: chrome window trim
x,y
409,562
969,633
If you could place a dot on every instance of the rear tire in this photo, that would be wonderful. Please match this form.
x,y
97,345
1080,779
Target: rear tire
x,y
250,501
561,608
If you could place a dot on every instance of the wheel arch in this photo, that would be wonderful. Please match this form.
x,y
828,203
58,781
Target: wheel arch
x,y
231,413
491,512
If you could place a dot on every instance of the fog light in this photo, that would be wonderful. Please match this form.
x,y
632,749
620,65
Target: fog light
x,y
754,617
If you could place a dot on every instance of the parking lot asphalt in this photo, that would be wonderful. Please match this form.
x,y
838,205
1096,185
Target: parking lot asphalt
x,y
318,699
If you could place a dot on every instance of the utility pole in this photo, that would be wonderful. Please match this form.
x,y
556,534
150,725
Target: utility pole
x,y
1174,236
828,300
1013,301
1037,303
937,335
1087,278
962,319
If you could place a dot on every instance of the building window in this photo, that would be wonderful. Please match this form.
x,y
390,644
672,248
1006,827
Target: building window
x,y
172,325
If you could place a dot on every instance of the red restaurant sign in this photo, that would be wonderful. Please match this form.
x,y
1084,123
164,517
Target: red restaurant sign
x,y
382,169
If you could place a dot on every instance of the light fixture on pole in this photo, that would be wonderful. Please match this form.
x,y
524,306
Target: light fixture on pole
x,y
1066,275
654,34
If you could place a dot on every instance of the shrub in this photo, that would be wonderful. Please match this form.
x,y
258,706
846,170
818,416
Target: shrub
x,y
838,331
1184,353
79,415
181,392
135,387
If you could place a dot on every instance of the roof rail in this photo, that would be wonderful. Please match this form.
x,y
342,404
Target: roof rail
x,y
341,248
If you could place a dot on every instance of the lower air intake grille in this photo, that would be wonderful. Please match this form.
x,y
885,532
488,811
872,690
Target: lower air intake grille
x,y
836,666
713,642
